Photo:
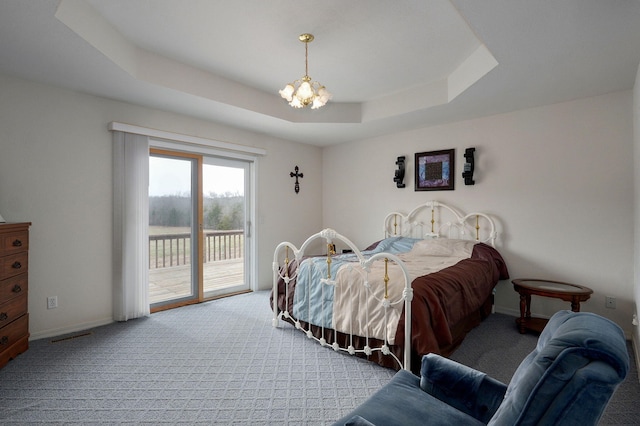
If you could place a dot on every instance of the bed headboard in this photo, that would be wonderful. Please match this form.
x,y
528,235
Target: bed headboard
x,y
434,219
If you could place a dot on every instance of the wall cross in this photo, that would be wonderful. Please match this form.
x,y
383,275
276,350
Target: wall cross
x,y
296,175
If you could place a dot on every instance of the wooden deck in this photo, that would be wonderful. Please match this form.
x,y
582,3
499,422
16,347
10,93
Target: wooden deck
x,y
174,282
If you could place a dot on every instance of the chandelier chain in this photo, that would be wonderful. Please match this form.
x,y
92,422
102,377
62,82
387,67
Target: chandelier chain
x,y
306,58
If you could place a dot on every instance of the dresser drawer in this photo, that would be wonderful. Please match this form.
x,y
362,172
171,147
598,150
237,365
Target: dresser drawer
x,y
13,309
14,242
12,334
14,264
13,287
14,279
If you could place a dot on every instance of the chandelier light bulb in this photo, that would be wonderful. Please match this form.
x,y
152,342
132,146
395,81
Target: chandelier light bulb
x,y
295,102
305,91
287,92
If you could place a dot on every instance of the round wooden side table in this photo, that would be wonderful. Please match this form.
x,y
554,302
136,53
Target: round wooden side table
x,y
529,286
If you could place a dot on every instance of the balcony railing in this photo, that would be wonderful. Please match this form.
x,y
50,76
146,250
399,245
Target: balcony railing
x,y
167,250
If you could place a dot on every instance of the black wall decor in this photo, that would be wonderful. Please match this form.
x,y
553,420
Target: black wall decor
x,y
296,175
469,165
399,174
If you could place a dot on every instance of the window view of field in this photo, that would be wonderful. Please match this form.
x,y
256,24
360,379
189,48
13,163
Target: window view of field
x,y
170,227
170,244
173,265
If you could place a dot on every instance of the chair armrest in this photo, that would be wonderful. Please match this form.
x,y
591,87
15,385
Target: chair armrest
x,y
461,387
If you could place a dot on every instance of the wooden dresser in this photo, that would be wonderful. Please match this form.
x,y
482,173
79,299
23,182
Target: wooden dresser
x,y
14,266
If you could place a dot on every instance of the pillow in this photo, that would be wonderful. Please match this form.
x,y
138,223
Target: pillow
x,y
444,247
392,245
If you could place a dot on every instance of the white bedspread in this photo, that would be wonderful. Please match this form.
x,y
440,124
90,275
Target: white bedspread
x,y
356,312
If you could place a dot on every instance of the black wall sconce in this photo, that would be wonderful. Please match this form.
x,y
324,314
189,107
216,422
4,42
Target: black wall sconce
x,y
399,174
467,174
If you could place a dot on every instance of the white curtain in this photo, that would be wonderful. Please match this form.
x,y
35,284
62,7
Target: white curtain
x,y
130,226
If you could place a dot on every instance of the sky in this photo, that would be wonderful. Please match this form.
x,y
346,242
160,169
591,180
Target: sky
x,y
169,176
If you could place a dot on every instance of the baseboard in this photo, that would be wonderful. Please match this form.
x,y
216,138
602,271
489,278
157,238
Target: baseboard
x,y
54,332
507,311
636,354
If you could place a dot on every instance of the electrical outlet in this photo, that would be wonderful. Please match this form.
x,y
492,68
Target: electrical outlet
x,y
52,302
610,302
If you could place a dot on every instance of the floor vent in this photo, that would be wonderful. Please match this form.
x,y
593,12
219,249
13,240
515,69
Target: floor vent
x,y
75,336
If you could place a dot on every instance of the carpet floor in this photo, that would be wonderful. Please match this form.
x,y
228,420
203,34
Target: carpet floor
x,y
222,362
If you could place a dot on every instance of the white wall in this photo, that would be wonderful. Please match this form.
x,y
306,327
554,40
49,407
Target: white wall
x,y
559,179
56,172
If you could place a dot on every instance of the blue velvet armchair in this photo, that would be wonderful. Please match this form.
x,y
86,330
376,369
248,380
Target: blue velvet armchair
x,y
578,363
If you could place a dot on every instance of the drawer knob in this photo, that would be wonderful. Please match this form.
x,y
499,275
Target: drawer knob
x,y
16,265
17,243
3,316
16,288
4,340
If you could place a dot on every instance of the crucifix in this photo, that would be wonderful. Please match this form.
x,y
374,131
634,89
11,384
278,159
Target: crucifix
x,y
296,175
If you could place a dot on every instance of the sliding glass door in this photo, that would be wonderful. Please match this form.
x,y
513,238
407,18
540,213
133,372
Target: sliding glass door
x,y
198,227
173,230
225,226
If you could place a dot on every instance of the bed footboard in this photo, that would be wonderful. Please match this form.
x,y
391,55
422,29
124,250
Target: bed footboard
x,y
372,300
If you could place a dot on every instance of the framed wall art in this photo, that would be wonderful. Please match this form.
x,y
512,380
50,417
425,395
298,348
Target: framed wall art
x,y
435,170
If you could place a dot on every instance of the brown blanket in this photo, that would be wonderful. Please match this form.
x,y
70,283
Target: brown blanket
x,y
445,298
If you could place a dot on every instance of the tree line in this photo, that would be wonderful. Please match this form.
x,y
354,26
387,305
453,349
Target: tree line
x,y
224,212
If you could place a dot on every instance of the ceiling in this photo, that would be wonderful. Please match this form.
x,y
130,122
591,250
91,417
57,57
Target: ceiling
x,y
391,65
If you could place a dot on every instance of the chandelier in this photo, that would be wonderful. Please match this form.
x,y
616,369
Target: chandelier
x,y
305,91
